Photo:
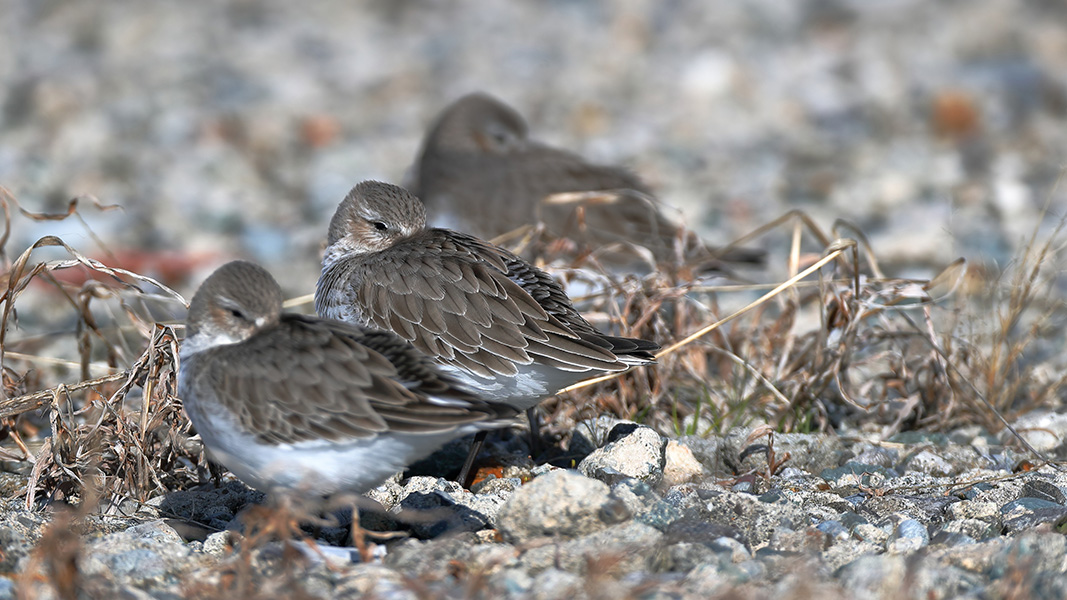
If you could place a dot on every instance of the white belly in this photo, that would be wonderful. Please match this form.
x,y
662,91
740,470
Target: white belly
x,y
531,385
320,467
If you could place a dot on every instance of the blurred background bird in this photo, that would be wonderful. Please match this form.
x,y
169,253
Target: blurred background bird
x,y
480,172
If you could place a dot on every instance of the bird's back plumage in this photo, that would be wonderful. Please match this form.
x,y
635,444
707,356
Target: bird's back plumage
x,y
472,306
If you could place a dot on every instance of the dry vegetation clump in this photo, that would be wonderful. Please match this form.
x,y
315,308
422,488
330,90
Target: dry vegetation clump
x,y
848,348
1008,341
120,434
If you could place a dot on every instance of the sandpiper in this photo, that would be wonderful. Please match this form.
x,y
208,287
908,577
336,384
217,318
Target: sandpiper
x,y
492,320
297,402
480,172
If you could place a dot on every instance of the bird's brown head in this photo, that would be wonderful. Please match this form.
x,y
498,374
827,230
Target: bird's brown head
x,y
477,123
373,217
237,300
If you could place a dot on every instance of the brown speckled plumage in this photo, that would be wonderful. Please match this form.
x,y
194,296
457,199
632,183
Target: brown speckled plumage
x,y
465,302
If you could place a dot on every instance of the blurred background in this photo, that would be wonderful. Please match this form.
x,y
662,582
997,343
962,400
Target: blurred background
x,y
233,129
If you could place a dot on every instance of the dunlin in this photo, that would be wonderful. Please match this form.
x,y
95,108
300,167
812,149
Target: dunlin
x,y
494,321
480,172
291,401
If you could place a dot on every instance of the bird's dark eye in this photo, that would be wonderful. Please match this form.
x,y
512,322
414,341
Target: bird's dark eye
x,y
237,313
380,226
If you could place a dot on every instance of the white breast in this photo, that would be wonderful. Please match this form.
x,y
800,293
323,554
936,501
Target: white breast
x,y
320,466
532,384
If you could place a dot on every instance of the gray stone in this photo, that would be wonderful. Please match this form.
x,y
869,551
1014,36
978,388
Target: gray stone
x,y
388,494
561,504
757,521
432,506
793,473
219,543
632,451
431,558
770,496
856,474
1026,513
699,530
1045,490
708,452
128,592
644,504
213,507
970,435
730,548
874,576
1000,493
781,563
494,485
488,556
1045,431
540,470
834,529
807,540
894,576
553,584
930,463
908,536
876,455
844,551
515,581
1041,552
915,438
978,529
745,485
373,581
683,557
973,509
714,577
14,546
865,532
158,531
626,548
851,519
1047,584
682,497
950,539
965,458
897,507
145,553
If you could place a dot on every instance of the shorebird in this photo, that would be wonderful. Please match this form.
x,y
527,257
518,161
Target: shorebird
x,y
287,401
492,320
479,172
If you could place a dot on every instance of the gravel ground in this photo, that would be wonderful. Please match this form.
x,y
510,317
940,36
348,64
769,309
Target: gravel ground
x,y
233,129
935,516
